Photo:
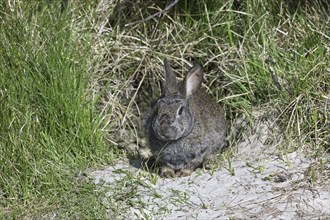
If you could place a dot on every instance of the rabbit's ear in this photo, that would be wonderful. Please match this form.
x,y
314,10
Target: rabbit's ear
x,y
171,86
193,80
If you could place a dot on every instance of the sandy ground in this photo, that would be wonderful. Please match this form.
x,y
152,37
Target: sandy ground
x,y
266,184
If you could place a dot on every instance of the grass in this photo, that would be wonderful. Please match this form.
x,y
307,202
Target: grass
x,y
74,83
49,129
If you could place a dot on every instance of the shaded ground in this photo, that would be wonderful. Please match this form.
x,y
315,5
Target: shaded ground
x,y
263,182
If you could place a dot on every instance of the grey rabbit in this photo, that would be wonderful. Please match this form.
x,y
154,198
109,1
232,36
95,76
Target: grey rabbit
x,y
186,124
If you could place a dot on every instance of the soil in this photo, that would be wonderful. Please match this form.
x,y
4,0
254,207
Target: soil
x,y
264,182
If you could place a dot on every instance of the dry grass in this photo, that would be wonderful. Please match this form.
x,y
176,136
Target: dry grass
x,y
237,60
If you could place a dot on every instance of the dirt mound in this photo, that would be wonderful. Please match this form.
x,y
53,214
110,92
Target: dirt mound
x,y
266,183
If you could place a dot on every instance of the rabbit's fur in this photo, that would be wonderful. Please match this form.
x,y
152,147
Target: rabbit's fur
x,y
185,125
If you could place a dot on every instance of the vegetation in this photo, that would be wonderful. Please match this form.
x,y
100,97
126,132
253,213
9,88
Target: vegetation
x,y
49,130
74,82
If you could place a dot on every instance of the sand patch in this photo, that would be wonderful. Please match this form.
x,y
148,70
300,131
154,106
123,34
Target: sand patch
x,y
266,184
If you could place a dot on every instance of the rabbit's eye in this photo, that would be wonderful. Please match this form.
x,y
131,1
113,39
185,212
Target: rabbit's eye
x,y
180,110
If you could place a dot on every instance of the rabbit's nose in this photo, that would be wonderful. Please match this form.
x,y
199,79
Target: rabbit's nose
x,y
164,126
166,129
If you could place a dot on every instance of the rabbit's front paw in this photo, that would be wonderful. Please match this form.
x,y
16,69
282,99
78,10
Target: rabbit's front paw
x,y
167,172
184,172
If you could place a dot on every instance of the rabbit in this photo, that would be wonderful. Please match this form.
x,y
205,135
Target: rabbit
x,y
186,125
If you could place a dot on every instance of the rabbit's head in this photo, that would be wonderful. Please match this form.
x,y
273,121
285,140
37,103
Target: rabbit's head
x,y
174,117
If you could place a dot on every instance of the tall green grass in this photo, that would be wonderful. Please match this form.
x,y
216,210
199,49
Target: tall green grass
x,y
49,128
